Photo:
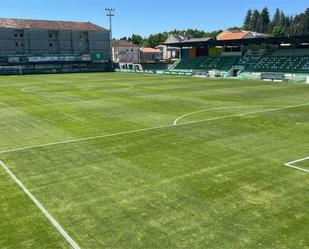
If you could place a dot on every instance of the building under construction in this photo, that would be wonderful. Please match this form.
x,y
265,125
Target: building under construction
x,y
39,46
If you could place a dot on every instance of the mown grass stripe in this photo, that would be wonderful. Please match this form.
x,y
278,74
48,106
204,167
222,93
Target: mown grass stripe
x,y
150,128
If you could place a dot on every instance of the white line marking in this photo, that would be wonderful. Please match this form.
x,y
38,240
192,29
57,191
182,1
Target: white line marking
x,y
24,90
149,129
40,206
208,110
292,164
34,89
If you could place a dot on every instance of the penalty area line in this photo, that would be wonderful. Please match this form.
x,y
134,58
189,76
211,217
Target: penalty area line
x,y
41,207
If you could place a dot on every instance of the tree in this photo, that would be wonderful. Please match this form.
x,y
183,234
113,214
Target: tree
x,y
194,33
277,17
156,39
282,18
277,31
277,24
288,25
303,23
234,28
255,20
136,39
248,21
264,21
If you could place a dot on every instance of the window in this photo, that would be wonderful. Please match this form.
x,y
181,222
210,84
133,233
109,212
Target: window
x,y
132,50
50,45
22,45
83,36
16,44
52,34
18,34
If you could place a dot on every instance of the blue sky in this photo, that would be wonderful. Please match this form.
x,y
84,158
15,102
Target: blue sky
x,y
144,16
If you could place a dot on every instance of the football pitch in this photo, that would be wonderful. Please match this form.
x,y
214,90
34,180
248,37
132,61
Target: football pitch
x,y
110,160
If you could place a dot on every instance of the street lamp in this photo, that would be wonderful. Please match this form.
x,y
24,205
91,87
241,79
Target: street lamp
x,y
110,13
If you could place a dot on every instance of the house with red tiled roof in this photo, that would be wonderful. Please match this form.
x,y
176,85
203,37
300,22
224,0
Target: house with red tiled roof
x,y
239,34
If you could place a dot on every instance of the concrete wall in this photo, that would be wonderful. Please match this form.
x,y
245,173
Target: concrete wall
x,y
7,45
65,42
40,41
37,41
99,42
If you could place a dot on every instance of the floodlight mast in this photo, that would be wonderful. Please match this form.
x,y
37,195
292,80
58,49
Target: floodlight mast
x,y
110,13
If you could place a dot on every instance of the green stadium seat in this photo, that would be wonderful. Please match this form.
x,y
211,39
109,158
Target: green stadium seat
x,y
282,64
208,63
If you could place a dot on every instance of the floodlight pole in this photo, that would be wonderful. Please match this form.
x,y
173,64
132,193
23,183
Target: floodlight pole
x,y
110,13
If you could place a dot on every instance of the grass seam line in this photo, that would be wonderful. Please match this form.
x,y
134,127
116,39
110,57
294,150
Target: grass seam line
x,y
40,206
149,129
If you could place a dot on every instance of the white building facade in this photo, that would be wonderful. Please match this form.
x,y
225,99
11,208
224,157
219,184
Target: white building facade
x,y
125,52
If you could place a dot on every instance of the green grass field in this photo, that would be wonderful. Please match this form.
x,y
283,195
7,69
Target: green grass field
x,y
101,154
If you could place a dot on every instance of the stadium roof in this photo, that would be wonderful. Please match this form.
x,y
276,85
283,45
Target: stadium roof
x,y
233,35
192,40
176,37
238,42
205,39
11,23
239,34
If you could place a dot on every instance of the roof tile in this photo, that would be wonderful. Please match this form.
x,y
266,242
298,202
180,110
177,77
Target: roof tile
x,y
11,23
122,43
150,50
232,36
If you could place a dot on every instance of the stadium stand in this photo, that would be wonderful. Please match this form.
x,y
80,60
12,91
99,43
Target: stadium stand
x,y
190,63
219,62
291,52
257,57
283,61
207,63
